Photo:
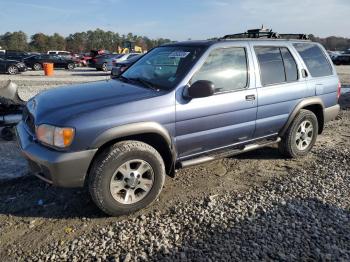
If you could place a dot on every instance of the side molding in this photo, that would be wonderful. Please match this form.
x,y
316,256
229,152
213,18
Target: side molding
x,y
304,103
132,129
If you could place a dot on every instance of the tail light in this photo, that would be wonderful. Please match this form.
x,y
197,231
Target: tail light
x,y
339,90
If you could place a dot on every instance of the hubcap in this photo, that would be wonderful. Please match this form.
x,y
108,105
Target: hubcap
x,y
132,181
304,135
12,70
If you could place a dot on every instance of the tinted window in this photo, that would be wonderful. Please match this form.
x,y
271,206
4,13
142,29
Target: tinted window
x,y
315,59
290,66
271,65
277,65
226,68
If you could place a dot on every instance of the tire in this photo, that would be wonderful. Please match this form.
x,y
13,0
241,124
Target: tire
x,y
37,67
299,140
7,134
115,169
70,66
104,67
12,70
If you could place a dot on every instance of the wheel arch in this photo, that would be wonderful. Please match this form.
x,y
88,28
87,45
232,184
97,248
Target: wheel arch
x,y
151,133
315,105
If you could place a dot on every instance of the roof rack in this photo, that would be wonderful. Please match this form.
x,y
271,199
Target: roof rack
x,y
266,33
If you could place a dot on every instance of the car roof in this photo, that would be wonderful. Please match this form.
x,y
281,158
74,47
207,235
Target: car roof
x,y
207,43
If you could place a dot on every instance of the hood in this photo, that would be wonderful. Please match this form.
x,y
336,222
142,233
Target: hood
x,y
60,104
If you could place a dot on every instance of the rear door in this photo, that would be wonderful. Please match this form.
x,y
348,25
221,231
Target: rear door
x,y
280,86
322,79
226,118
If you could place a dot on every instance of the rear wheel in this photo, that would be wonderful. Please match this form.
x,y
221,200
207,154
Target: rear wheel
x,y
37,67
12,70
126,177
300,136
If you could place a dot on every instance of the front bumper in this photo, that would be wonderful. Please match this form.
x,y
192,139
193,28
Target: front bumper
x,y
63,169
330,113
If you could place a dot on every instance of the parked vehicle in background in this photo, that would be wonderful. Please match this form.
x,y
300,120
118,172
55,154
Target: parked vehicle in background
x,y
14,55
11,67
61,53
36,62
103,62
341,59
119,67
180,105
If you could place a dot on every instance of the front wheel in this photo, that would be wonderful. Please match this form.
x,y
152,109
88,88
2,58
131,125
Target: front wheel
x,y
126,177
300,136
12,70
70,66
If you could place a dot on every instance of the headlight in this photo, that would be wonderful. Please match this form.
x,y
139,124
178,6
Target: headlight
x,y
55,136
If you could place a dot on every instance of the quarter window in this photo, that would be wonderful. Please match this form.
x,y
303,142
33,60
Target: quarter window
x,y
277,65
315,59
227,68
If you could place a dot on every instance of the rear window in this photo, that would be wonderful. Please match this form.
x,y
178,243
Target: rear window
x,y
315,59
277,65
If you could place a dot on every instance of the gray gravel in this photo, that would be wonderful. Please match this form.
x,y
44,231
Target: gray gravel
x,y
299,217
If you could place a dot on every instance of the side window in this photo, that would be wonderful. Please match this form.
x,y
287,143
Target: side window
x,y
290,65
277,65
314,58
271,65
227,68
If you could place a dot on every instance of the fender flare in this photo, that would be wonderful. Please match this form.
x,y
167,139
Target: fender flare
x,y
304,103
132,129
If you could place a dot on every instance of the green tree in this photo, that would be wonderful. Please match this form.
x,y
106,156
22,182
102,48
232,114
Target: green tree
x,y
14,41
39,42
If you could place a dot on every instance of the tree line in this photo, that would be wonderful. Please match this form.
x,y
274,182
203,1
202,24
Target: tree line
x,y
108,40
77,42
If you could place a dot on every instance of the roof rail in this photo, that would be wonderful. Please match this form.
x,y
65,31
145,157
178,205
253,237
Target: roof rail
x,y
266,33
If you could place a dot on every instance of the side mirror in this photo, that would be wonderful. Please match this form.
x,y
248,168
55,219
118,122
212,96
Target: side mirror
x,y
201,88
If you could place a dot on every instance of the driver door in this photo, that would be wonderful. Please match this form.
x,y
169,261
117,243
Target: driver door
x,y
226,118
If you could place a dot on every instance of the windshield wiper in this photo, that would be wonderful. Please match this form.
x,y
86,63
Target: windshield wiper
x,y
123,78
145,83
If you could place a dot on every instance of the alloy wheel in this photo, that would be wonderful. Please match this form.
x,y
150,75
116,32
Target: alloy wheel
x,y
132,181
304,135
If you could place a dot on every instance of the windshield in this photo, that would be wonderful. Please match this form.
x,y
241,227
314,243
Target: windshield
x,y
164,67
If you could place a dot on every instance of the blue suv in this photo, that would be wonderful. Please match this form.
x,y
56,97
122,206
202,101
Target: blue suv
x,y
180,105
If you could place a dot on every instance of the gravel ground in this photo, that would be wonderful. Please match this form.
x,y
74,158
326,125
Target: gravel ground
x,y
256,206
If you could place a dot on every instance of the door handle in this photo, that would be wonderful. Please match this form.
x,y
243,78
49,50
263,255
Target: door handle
x,y
250,97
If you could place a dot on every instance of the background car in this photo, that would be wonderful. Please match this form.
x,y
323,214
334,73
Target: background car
x,y
14,55
119,67
341,59
36,62
11,67
103,62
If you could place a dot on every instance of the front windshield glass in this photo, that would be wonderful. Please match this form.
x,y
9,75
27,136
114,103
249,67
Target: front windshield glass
x,y
164,67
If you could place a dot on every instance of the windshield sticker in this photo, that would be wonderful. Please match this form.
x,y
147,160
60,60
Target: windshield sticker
x,y
180,54
172,79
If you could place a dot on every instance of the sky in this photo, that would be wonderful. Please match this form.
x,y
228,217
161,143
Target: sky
x,y
176,19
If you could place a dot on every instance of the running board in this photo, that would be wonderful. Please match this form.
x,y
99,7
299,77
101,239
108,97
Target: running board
x,y
247,148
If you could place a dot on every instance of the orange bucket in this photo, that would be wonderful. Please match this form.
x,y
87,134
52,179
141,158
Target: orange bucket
x,y
48,69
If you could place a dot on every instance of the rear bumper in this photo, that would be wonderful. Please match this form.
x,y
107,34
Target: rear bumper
x,y
63,169
330,113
